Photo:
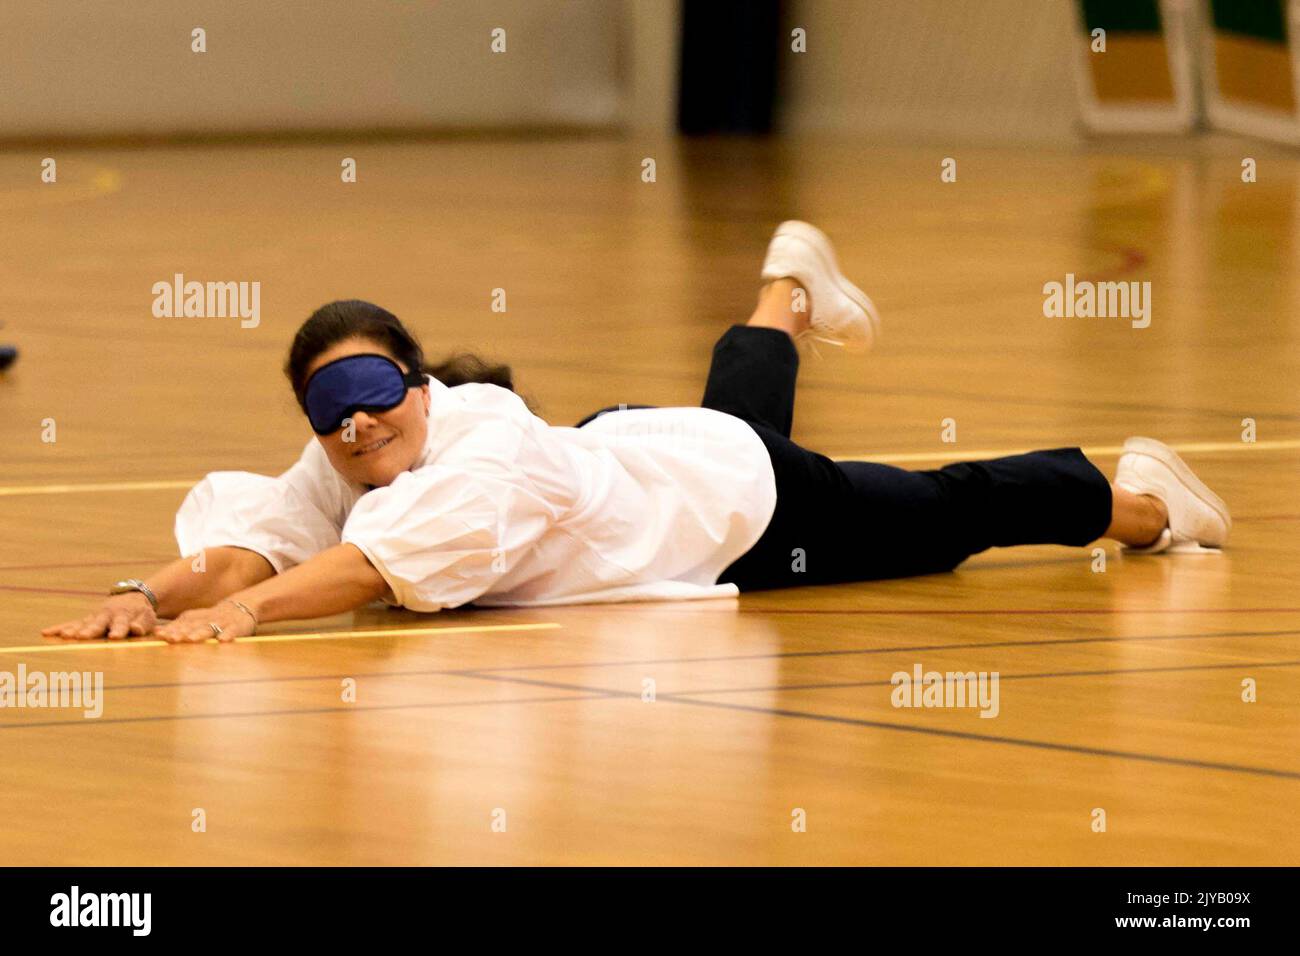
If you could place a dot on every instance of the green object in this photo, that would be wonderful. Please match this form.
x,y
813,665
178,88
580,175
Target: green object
x,y
1261,19
1121,16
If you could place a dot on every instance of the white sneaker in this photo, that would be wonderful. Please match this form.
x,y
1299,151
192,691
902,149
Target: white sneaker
x,y
841,312
1198,518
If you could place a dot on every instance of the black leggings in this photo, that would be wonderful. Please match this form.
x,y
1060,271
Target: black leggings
x,y
861,521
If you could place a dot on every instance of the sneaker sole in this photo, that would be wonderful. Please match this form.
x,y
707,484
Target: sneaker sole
x,y
1169,458
825,252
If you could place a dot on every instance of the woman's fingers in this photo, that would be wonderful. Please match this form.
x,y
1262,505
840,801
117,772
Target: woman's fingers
x,y
120,626
195,627
191,633
95,625
118,618
184,630
141,622
57,630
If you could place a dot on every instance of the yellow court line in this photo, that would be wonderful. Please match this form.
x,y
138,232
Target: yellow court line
x,y
1277,444
281,638
102,183
97,486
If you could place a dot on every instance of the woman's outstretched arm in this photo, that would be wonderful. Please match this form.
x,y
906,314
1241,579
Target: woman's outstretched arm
x,y
194,581
338,579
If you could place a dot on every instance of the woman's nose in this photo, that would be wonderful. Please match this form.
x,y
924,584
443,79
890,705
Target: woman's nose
x,y
364,420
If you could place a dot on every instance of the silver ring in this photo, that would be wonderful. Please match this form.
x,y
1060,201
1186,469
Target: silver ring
x,y
216,629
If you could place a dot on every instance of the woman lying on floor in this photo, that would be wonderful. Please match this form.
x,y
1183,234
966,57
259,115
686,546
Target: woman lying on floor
x,y
428,496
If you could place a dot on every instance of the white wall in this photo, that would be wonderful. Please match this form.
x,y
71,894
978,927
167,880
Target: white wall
x,y
652,63
78,67
995,69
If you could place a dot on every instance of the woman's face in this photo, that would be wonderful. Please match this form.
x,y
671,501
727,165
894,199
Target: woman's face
x,y
383,444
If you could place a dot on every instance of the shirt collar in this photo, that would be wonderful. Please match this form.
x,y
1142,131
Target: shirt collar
x,y
437,393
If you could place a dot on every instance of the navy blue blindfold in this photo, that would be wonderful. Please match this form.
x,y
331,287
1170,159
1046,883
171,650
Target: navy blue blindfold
x,y
371,383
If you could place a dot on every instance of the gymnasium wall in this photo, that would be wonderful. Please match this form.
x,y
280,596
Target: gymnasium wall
x,y
89,67
995,69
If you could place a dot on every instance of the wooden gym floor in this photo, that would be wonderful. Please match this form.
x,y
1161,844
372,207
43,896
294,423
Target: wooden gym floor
x,y
1120,691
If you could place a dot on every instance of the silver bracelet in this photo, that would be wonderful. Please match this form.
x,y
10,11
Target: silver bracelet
x,y
134,584
246,609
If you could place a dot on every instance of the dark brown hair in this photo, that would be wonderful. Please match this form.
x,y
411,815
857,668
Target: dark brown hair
x,y
354,319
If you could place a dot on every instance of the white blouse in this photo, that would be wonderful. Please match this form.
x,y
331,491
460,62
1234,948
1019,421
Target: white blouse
x,y
503,509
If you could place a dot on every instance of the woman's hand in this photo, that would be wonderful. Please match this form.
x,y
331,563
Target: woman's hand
x,y
122,615
194,627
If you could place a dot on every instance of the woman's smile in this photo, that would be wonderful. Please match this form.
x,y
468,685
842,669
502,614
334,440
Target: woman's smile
x,y
377,445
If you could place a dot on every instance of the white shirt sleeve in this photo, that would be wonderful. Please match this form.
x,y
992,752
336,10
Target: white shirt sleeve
x,y
444,534
286,520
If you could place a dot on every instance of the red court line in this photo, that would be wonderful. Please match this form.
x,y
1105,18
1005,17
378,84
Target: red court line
x,y
295,712
87,564
18,587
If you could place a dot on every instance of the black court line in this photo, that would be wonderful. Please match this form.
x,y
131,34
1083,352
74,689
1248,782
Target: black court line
x,y
159,718
461,671
913,729
1044,675
915,648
